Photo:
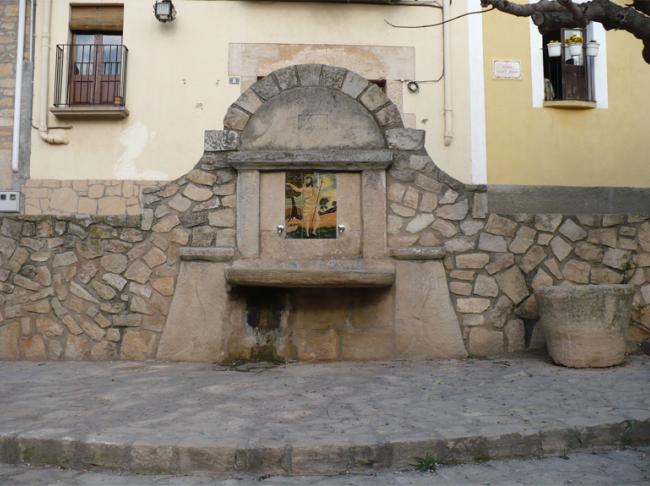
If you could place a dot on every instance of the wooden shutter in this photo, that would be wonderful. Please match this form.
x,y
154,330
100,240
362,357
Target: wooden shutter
x,y
96,18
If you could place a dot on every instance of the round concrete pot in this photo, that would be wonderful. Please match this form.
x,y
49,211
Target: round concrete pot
x,y
585,325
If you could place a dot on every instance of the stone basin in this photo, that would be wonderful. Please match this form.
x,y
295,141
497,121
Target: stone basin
x,y
339,273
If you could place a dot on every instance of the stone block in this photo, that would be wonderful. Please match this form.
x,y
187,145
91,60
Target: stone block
x,y
548,222
353,85
572,231
426,325
249,101
287,77
373,97
532,259
524,239
420,222
405,139
266,88
138,344
514,333
484,343
513,284
235,119
114,262
576,271
111,205
492,243
561,249
77,348
309,74
472,260
616,258
138,272
480,205
499,225
601,275
541,279
472,305
486,286
332,77
461,288
32,348
220,140
453,212
9,341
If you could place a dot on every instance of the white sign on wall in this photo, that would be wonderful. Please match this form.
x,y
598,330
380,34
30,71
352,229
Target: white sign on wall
x,y
506,69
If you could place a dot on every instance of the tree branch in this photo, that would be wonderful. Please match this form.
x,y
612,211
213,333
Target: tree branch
x,y
550,15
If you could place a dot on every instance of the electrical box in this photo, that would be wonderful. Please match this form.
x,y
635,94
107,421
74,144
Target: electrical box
x,y
9,201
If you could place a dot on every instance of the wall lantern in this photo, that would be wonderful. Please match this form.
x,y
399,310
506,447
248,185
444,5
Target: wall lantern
x,y
164,10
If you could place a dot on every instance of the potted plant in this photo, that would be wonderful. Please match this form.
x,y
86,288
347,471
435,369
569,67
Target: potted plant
x,y
585,325
592,48
575,44
554,48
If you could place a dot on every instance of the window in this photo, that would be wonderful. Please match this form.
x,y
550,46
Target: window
x,y
569,76
564,82
91,70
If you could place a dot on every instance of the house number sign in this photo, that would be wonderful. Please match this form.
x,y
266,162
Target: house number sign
x,y
506,69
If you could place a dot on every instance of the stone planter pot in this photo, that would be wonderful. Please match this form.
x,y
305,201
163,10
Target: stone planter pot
x,y
585,325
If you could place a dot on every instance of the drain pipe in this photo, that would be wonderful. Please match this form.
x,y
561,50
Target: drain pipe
x,y
18,91
43,128
446,40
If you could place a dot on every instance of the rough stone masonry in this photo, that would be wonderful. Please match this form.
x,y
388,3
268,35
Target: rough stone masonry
x,y
86,287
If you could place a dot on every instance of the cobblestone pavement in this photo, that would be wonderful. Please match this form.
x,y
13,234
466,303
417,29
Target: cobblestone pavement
x,y
623,467
315,419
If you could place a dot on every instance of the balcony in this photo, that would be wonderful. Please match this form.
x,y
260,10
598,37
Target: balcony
x,y
90,81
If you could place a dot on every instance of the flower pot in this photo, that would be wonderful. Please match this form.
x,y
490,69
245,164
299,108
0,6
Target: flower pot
x,y
575,49
592,48
554,49
585,325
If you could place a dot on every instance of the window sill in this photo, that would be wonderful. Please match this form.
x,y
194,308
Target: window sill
x,y
105,112
570,104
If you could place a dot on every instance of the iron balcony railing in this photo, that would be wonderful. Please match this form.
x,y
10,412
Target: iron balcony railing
x,y
90,74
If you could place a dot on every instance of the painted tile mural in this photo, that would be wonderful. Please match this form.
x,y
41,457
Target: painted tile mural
x,y
310,205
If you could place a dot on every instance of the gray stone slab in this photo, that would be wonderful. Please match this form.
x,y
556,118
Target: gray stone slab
x,y
339,160
418,253
343,416
426,325
339,273
507,199
208,254
197,326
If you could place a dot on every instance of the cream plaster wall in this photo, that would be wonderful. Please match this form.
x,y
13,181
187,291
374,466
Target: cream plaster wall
x,y
549,146
178,86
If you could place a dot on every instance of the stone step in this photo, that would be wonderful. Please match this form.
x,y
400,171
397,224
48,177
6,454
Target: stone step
x,y
314,419
627,466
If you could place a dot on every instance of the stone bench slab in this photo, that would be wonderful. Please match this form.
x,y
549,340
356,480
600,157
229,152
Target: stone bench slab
x,y
356,273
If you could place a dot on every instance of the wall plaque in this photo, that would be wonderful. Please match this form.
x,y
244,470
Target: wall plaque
x,y
506,69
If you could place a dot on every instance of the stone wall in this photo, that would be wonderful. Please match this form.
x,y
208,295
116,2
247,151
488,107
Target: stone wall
x,y
99,288
495,262
88,197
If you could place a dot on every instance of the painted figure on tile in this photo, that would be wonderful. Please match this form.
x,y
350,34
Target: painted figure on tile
x,y
310,205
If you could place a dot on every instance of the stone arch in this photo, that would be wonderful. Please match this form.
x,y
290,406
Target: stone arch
x,y
321,107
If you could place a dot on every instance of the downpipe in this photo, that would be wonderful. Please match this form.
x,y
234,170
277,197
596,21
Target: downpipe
x,y
18,91
447,86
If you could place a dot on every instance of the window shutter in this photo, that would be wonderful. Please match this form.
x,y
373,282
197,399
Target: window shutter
x,y
103,18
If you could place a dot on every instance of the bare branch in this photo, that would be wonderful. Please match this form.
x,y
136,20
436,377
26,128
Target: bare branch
x,y
549,15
